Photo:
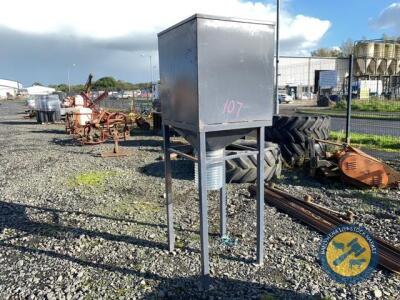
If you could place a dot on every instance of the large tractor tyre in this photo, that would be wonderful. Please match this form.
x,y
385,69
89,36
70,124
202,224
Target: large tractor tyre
x,y
244,169
291,133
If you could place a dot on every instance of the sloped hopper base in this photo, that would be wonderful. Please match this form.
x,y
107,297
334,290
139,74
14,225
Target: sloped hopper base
x,y
215,142
215,139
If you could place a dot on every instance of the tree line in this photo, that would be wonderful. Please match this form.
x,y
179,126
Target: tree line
x,y
105,83
343,51
346,48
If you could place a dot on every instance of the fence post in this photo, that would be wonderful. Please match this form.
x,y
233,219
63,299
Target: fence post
x,y
349,98
276,94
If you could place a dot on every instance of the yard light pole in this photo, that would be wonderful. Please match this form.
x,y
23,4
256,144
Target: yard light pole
x,y
155,72
69,83
349,99
151,65
277,58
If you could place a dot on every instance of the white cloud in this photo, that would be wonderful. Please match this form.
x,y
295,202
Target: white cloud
x,y
307,30
389,18
124,23
42,38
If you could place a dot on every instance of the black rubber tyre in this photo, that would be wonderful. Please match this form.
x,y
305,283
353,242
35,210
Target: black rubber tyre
x,y
291,133
323,101
244,169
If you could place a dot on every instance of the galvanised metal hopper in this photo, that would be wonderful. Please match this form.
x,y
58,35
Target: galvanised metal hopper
x,y
217,82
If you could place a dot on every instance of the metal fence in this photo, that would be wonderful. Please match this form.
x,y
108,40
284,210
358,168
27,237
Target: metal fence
x,y
126,105
375,125
374,117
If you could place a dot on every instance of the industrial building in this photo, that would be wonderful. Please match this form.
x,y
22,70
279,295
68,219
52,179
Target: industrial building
x,y
297,75
40,90
9,88
376,64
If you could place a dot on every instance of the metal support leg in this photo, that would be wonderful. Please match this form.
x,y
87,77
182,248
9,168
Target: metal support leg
x,y
168,189
260,196
205,269
222,202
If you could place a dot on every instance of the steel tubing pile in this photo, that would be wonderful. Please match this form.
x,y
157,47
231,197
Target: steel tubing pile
x,y
324,221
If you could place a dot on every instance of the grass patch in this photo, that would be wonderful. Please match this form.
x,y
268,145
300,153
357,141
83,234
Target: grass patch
x,y
180,244
370,141
361,109
195,237
354,115
146,206
372,105
93,178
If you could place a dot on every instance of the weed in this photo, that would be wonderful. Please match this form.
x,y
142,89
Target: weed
x,y
180,244
194,237
125,207
92,178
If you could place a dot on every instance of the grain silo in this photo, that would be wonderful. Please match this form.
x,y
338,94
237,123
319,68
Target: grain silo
x,y
390,53
364,54
379,60
379,53
397,56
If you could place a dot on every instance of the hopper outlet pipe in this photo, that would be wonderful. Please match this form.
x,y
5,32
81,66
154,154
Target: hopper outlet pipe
x,y
215,171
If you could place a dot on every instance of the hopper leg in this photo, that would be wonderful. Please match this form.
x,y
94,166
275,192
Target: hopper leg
x,y
222,203
260,196
168,189
205,268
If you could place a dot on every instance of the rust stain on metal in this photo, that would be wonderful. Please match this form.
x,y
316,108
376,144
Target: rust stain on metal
x,y
355,166
116,152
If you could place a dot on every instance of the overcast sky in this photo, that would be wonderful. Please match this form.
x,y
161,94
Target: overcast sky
x,y
41,40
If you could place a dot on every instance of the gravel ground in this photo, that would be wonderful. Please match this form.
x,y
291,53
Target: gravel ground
x,y
76,226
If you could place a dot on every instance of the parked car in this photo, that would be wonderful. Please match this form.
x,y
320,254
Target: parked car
x,y
305,96
285,98
334,98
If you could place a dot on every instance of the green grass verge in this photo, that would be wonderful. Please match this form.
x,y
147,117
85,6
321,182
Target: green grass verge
x,y
361,109
372,105
370,141
342,114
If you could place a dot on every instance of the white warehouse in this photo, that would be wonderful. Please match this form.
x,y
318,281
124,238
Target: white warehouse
x,y
297,74
9,88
